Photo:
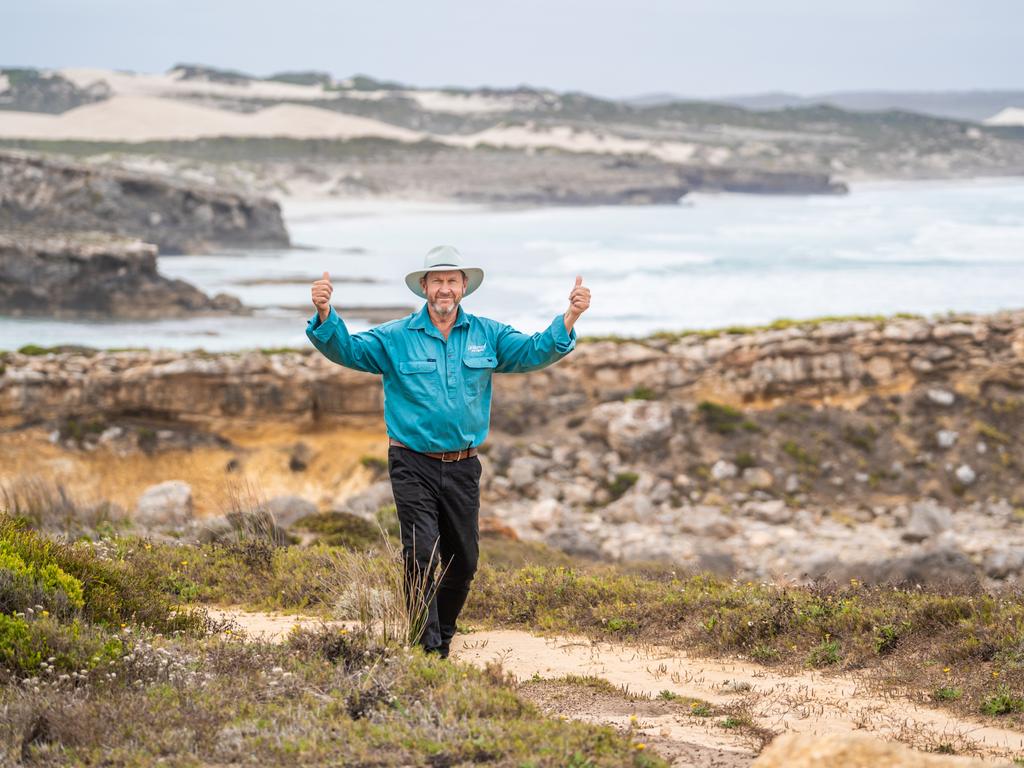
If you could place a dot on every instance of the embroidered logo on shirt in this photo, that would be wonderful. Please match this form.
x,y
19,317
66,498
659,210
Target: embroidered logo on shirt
x,y
477,347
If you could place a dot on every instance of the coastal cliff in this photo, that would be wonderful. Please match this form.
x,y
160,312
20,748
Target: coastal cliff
x,y
95,276
51,195
794,452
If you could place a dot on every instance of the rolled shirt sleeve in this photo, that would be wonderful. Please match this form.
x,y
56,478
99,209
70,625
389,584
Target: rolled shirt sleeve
x,y
519,352
365,351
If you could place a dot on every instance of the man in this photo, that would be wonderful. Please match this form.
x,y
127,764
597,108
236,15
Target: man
x,y
437,365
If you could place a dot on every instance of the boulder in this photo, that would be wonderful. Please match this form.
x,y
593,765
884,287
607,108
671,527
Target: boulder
x,y
966,474
366,503
851,750
941,396
774,511
942,568
722,470
165,505
522,472
758,478
634,426
300,457
927,518
287,510
706,521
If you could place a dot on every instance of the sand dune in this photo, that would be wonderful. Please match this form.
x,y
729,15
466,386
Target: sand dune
x,y
573,140
1008,116
150,118
172,84
135,118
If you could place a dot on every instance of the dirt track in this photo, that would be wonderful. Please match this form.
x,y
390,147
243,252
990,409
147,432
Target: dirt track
x,y
807,702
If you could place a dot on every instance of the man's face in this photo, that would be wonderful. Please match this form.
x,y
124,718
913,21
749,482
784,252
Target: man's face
x,y
444,290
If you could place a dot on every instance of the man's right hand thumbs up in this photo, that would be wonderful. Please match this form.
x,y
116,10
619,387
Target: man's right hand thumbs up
x,y
321,294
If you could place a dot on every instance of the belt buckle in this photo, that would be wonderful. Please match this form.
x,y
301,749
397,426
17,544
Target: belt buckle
x,y
458,455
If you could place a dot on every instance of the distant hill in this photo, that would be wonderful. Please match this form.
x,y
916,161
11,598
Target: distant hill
x,y
975,106
783,141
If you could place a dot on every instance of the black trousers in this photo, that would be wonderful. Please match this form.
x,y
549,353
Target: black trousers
x,y
438,506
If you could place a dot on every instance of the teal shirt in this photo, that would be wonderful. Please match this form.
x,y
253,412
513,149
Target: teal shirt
x,y
437,393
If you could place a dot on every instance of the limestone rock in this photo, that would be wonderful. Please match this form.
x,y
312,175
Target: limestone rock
x,y
366,503
941,396
758,478
723,470
634,426
522,472
851,750
286,510
965,474
94,275
165,505
772,511
927,518
45,193
938,568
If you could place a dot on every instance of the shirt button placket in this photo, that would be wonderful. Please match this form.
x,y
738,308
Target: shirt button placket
x,y
451,370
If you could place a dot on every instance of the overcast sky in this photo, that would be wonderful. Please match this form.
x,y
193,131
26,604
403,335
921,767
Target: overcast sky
x,y
618,49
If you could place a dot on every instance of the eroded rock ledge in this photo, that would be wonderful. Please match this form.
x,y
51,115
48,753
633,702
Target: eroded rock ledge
x,y
62,196
832,363
95,276
876,450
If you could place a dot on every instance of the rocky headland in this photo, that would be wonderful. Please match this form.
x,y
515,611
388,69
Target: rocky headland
x,y
61,196
95,276
876,448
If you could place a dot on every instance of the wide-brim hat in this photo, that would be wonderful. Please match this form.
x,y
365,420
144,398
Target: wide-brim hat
x,y
444,258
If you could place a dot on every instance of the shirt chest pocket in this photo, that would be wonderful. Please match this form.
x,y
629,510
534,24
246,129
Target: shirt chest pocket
x,y
476,372
419,377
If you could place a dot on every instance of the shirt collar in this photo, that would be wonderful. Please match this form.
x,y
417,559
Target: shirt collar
x,y
421,319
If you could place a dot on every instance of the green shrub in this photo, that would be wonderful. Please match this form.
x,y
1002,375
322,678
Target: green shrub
x,y
44,645
26,584
745,460
723,419
622,483
341,529
947,693
617,624
640,392
106,591
824,654
375,464
701,709
794,451
1002,702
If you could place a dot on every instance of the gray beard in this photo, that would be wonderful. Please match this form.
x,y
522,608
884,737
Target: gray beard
x,y
444,312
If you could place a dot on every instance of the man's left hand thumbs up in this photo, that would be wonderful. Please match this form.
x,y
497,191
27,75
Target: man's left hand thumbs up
x,y
579,298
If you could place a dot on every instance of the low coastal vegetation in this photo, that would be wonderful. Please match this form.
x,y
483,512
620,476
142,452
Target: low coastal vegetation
x,y
102,660
75,614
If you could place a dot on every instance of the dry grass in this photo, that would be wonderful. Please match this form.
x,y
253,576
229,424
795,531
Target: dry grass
x,y
377,590
262,450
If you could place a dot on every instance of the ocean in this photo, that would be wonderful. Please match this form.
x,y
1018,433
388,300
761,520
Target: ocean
x,y
714,260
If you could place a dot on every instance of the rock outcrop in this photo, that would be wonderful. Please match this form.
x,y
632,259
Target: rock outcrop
x,y
32,90
51,195
820,450
852,750
95,276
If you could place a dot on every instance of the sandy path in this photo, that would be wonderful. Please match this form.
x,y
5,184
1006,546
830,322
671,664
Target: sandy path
x,y
807,702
